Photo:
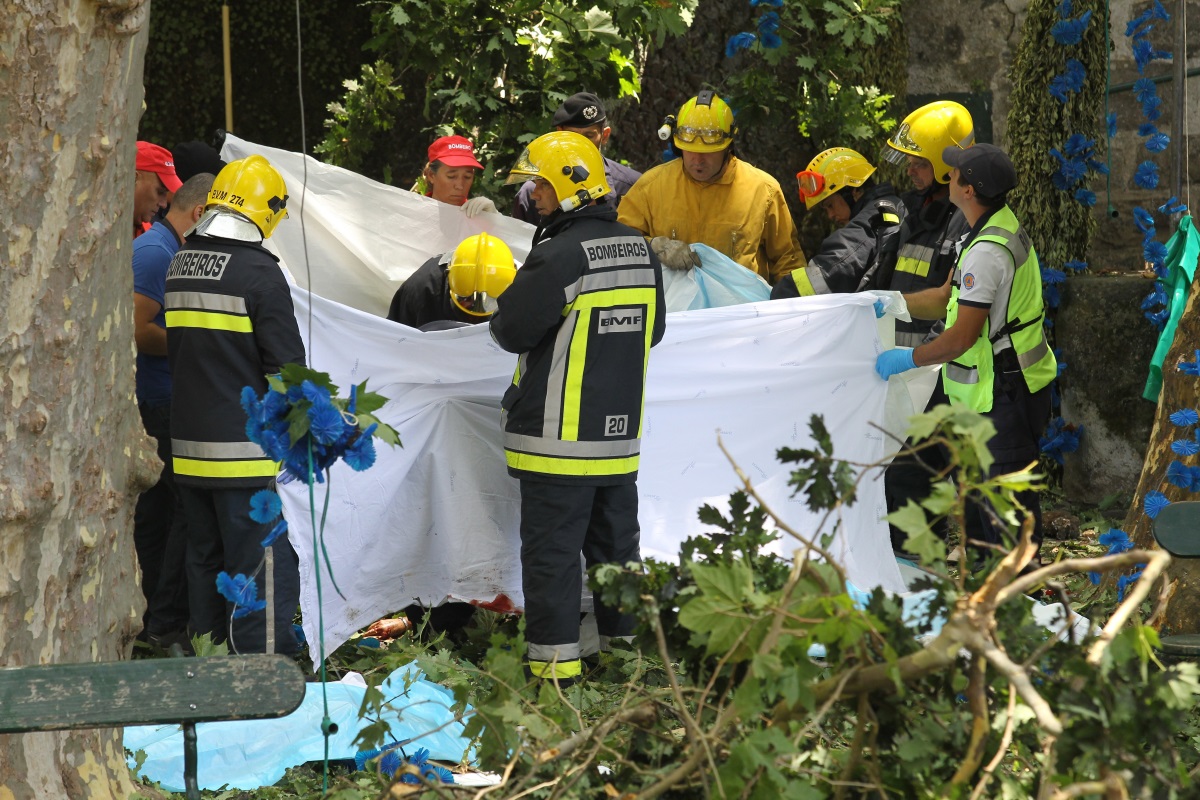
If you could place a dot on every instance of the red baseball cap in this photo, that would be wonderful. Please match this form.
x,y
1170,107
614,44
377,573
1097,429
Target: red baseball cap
x,y
454,151
152,158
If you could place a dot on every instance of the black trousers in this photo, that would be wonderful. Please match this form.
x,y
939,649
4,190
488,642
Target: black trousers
x,y
558,522
1020,418
160,535
221,536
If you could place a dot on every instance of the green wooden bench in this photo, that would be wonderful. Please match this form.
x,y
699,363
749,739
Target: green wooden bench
x,y
160,691
1177,530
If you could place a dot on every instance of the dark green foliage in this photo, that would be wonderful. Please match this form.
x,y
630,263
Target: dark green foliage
x,y
184,72
494,72
1060,226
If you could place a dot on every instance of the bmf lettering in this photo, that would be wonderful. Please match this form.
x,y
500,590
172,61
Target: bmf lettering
x,y
628,320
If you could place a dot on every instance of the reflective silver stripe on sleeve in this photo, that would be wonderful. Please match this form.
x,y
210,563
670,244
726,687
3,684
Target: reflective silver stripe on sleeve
x,y
1027,360
960,374
216,450
616,279
557,378
817,279
621,448
206,301
553,652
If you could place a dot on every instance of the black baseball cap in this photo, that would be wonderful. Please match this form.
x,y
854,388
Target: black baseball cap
x,y
195,157
580,111
984,166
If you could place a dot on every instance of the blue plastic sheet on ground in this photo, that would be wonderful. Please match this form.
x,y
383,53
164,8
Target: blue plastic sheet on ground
x,y
248,754
718,281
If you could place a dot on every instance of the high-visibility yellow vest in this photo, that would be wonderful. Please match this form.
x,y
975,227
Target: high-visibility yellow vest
x,y
970,378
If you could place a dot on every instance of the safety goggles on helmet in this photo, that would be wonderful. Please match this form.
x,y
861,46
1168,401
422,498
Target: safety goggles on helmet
x,y
690,135
811,183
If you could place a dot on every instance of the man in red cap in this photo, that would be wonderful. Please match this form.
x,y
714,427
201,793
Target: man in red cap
x,y
156,182
450,173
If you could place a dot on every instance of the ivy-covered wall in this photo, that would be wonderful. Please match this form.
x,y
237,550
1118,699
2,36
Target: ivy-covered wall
x,y
184,78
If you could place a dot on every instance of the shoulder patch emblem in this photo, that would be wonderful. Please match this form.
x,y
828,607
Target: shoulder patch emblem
x,y
969,281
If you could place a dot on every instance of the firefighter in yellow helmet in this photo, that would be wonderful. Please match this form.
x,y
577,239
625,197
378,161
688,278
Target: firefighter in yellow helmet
x,y
460,286
993,353
582,313
710,196
924,258
839,181
230,324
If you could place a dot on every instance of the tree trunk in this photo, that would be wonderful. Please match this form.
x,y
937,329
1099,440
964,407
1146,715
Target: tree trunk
x,y
1179,390
73,451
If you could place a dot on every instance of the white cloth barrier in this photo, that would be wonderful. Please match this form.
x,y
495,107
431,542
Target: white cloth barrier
x,y
439,517
362,238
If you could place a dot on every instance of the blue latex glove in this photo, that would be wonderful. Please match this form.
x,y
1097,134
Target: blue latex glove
x,y
894,361
878,309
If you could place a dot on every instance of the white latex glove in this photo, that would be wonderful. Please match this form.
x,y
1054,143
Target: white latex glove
x,y
674,254
479,205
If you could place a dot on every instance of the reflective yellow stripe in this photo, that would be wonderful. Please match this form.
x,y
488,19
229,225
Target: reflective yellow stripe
x,y
556,669
912,265
803,284
552,465
209,320
573,388
892,218
256,468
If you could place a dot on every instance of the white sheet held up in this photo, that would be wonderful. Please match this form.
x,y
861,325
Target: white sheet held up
x,y
439,517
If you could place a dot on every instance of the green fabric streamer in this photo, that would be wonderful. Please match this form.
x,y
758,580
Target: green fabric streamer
x,y
1182,251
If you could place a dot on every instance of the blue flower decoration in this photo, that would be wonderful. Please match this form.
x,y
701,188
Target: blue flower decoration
x,y
1060,438
280,529
1143,220
739,42
1075,266
1085,197
1154,503
1064,9
768,22
1189,367
1146,175
1156,298
1173,206
242,592
314,394
769,41
1155,252
265,506
1179,475
1144,53
1125,581
1144,88
1077,144
1158,142
1053,276
1185,447
1147,129
771,3
1116,540
325,422
249,400
361,455
1184,417
1152,108
1111,121
1158,319
1070,31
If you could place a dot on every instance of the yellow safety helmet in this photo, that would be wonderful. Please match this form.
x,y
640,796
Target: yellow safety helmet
x,y
928,131
831,171
254,189
704,124
571,164
480,270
